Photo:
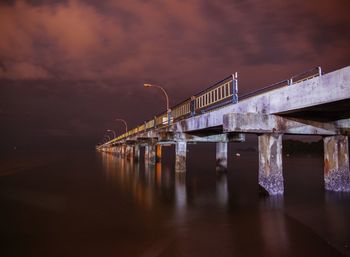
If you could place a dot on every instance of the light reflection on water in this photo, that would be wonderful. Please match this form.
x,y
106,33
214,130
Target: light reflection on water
x,y
281,223
93,204
145,183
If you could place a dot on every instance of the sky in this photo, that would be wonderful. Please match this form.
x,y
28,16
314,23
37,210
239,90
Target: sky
x,y
69,68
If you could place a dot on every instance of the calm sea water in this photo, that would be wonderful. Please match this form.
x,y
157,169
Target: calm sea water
x,y
94,204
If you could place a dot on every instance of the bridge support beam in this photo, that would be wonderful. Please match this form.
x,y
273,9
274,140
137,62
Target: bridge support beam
x,y
180,156
129,152
136,153
158,153
119,151
126,151
270,163
146,154
122,151
150,154
221,156
336,163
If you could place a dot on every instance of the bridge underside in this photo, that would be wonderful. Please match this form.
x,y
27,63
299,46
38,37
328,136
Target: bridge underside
x,y
325,112
318,106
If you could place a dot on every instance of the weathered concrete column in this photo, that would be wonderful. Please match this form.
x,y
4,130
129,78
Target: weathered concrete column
x,y
152,154
126,151
336,163
146,154
136,153
132,152
180,158
158,153
270,163
129,152
116,150
123,151
221,156
119,151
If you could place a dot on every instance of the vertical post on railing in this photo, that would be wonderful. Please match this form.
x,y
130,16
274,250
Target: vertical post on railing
x,y
290,81
169,116
193,105
319,70
235,88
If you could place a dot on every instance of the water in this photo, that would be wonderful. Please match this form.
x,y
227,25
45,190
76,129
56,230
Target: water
x,y
94,204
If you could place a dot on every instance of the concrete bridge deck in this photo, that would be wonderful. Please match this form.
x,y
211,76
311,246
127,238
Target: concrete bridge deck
x,y
315,105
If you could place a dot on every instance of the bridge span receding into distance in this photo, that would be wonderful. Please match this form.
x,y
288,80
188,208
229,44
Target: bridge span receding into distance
x,y
309,103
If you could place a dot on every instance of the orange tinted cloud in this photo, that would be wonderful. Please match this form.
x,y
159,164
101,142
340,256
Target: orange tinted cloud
x,y
167,39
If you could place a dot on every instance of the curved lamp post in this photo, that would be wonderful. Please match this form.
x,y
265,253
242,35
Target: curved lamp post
x,y
125,124
107,137
166,97
114,134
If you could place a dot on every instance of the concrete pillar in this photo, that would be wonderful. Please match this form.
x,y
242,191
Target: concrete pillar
x,y
180,158
123,151
336,163
146,154
150,154
129,152
132,153
270,163
221,156
158,153
126,151
136,153
119,151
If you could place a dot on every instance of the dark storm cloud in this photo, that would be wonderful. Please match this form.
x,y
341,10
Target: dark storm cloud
x,y
68,68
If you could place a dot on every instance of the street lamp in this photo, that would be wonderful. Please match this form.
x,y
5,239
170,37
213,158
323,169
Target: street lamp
x,y
107,138
125,124
166,97
114,134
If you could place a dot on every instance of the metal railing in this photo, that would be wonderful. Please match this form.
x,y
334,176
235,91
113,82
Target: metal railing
x,y
303,76
215,95
149,124
181,109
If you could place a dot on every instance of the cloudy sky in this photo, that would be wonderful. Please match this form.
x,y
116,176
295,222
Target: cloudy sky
x,y
69,68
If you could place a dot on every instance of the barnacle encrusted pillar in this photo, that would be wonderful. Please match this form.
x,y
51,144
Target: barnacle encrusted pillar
x,y
270,163
221,156
336,163
180,158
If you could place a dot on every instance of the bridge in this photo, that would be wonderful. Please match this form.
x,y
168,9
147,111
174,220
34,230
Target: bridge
x,y
309,103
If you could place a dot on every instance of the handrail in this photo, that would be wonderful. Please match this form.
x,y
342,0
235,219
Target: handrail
x,y
319,70
287,81
247,95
